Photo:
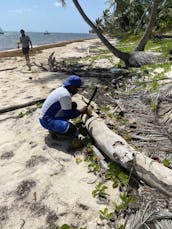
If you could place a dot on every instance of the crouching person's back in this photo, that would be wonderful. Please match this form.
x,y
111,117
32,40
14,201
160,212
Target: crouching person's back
x,y
58,109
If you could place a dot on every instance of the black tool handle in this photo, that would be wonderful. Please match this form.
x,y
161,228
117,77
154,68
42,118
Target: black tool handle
x,y
92,97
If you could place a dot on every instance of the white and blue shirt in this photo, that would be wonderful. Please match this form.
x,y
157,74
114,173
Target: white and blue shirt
x,y
58,104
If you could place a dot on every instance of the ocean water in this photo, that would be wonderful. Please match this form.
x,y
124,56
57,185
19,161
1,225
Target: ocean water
x,y
8,40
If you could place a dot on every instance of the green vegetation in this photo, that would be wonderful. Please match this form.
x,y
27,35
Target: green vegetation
x,y
92,160
39,104
122,17
99,56
66,226
116,175
105,214
118,209
150,68
100,191
130,41
153,105
105,108
166,163
27,112
125,201
157,45
121,119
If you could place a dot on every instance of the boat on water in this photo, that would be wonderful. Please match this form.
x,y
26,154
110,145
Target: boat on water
x,y
46,33
1,31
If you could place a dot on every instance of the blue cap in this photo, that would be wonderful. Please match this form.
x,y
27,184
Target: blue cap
x,y
73,80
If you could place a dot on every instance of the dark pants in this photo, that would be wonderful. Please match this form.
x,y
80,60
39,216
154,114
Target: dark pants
x,y
25,50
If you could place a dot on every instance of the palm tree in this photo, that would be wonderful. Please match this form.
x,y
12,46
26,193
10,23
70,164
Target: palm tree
x,y
139,23
130,59
99,24
146,35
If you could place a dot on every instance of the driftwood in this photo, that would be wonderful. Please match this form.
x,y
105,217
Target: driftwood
x,y
52,65
117,149
40,66
110,143
18,106
51,62
101,158
6,69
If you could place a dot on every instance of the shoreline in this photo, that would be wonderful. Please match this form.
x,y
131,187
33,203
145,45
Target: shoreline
x,y
36,49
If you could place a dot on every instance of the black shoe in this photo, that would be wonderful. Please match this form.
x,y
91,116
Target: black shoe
x,y
60,137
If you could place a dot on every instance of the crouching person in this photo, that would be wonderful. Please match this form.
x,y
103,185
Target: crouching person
x,y
58,108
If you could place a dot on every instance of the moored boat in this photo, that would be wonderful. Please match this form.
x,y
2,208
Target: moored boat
x,y
1,32
46,33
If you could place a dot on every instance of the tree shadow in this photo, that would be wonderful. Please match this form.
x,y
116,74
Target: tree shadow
x,y
50,77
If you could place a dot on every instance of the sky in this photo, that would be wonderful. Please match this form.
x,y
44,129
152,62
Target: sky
x,y
42,15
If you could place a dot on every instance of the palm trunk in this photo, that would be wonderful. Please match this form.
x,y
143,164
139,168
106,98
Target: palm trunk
x,y
122,55
140,22
142,43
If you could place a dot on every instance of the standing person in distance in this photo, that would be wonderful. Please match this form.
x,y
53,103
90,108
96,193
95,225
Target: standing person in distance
x,y
26,43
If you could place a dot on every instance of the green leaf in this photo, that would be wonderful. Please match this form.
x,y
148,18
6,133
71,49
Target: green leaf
x,y
132,199
123,178
64,226
166,163
20,115
106,214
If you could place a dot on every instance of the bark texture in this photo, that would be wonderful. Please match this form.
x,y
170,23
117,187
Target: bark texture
x,y
117,149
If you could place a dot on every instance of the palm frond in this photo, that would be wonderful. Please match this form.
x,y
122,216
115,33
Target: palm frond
x,y
147,217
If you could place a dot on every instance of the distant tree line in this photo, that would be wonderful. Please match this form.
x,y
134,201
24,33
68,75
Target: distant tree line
x,y
132,16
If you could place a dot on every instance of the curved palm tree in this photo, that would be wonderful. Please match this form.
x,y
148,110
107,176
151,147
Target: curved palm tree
x,y
130,59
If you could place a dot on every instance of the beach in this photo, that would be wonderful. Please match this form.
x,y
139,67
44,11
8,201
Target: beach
x,y
42,185
45,184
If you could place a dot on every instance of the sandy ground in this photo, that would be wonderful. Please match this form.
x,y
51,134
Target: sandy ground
x,y
41,184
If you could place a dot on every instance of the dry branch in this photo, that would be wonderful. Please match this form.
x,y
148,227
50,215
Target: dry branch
x,y
51,62
40,66
15,107
6,69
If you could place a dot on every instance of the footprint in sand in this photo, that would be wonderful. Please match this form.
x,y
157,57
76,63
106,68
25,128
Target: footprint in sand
x,y
40,209
7,155
24,188
35,160
3,213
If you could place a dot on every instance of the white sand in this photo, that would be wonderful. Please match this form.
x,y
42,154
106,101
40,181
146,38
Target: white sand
x,y
41,185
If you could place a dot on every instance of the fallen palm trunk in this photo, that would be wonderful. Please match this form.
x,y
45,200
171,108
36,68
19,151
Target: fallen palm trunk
x,y
101,158
117,149
110,143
